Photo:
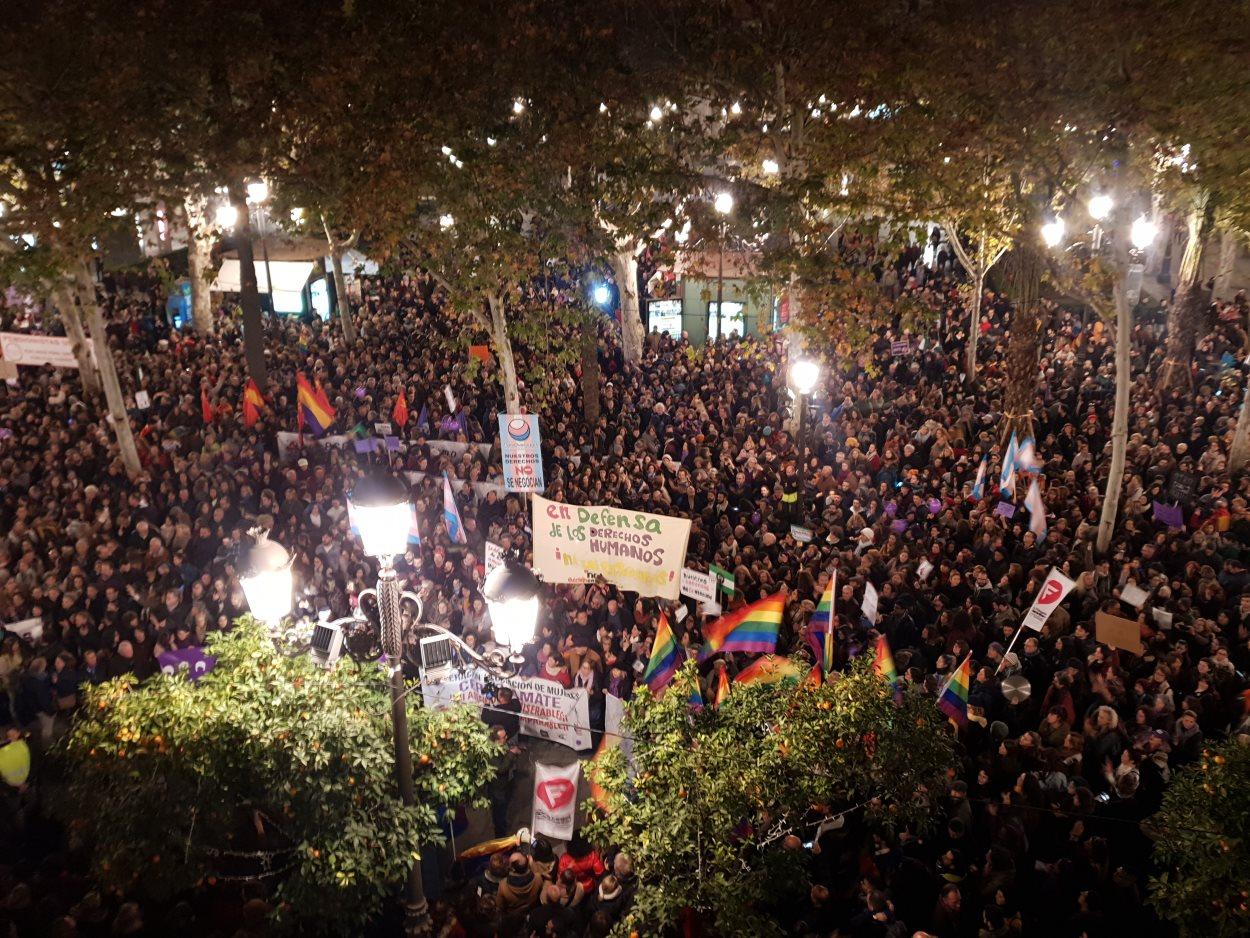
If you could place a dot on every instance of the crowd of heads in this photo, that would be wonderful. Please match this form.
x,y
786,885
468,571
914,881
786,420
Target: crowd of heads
x,y
117,570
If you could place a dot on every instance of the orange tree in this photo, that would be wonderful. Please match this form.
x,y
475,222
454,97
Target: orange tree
x,y
1202,844
268,771
710,799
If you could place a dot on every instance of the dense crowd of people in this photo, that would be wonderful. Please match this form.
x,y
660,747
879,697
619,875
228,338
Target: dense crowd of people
x,y
1039,829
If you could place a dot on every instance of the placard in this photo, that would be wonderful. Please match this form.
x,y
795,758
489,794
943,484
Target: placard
x,y
635,550
142,401
869,605
1124,634
1134,595
24,348
521,451
698,585
555,799
494,556
801,534
383,428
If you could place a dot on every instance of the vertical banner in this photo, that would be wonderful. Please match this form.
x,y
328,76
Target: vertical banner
x,y
635,550
555,799
521,448
1054,588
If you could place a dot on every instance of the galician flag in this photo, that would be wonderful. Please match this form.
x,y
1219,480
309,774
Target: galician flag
x,y
451,514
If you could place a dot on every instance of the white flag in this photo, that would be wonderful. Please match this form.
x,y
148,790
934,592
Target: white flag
x,y
869,606
555,799
1054,588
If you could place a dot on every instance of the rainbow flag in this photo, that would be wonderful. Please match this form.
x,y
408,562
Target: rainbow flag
x,y
695,701
820,625
314,407
722,687
751,629
883,663
663,663
953,701
770,669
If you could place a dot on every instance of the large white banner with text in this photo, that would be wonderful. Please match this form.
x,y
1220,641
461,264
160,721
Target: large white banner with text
x,y
635,550
548,709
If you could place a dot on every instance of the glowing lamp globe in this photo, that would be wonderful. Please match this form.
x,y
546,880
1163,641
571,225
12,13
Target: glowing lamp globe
x,y
724,203
381,513
1100,207
1052,232
804,374
1143,233
511,593
267,581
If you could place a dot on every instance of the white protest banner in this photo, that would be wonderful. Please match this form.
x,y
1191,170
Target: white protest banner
x,y
29,629
520,448
555,799
1054,588
923,569
22,348
494,556
696,585
635,550
552,711
548,710
869,605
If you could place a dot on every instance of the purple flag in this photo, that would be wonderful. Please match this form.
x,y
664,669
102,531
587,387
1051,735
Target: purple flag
x,y
1171,515
365,445
1006,509
192,660
392,444
898,526
935,505
891,509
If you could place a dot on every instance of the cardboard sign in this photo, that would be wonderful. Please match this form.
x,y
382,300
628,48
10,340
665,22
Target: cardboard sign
x,y
698,585
1124,634
555,799
636,550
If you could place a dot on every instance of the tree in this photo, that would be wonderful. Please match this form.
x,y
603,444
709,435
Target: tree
x,y
708,810
267,770
1202,843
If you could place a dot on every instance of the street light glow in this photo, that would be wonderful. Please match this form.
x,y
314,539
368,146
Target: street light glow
x,y
446,221
1052,232
226,215
267,580
771,168
381,513
804,374
602,295
257,192
1143,233
1100,207
518,106
297,215
724,203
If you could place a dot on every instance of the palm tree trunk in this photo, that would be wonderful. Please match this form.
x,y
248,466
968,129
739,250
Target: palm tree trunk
x,y
1024,280
974,328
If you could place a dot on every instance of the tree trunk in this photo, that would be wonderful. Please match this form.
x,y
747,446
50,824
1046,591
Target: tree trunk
x,y
1239,452
72,320
1024,280
1186,313
590,377
85,288
1119,423
503,348
199,263
625,272
342,302
253,321
974,329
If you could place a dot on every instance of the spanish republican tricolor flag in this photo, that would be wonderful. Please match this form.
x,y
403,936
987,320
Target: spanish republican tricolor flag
x,y
314,409
953,701
253,401
751,629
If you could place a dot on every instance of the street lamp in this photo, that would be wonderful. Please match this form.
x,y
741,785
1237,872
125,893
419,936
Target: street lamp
x,y
1143,232
511,594
266,579
226,215
724,204
1100,207
1052,232
379,506
257,193
804,373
